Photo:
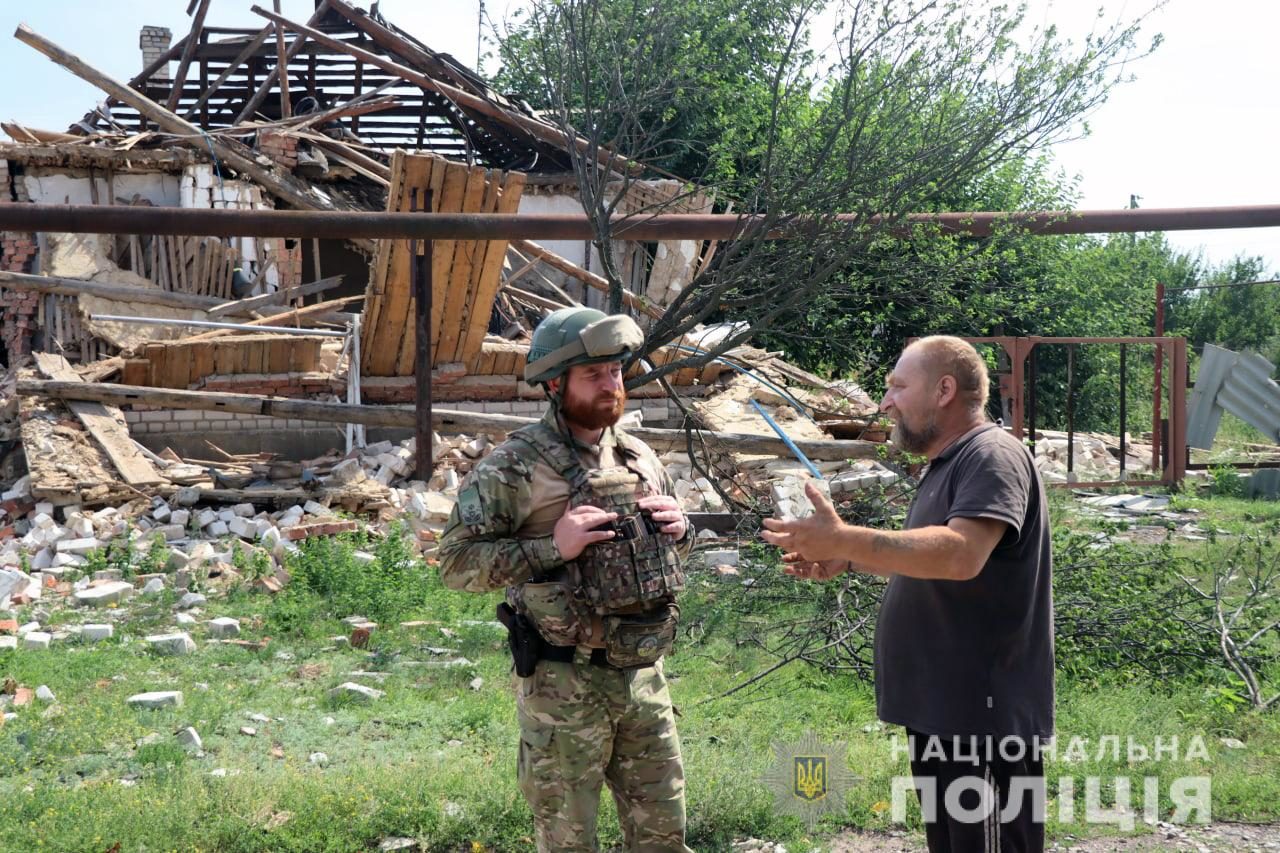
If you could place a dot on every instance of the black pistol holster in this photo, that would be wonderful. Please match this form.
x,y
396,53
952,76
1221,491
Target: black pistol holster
x,y
523,638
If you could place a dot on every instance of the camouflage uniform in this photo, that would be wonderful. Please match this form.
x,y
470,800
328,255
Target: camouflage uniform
x,y
581,723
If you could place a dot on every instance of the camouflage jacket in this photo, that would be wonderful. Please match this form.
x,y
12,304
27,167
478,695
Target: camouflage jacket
x,y
500,532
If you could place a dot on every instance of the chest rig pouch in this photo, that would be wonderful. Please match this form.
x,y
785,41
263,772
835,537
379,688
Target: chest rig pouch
x,y
629,581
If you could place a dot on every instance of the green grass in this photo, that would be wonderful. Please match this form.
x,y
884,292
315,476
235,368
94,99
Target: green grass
x,y
435,759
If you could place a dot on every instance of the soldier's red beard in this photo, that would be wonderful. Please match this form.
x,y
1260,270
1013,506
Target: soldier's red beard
x,y
602,410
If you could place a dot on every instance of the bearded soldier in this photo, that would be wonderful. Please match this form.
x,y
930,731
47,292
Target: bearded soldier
x,y
575,519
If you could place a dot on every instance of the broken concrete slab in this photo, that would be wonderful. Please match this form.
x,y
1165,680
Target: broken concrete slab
x,y
355,692
176,644
224,626
156,699
112,592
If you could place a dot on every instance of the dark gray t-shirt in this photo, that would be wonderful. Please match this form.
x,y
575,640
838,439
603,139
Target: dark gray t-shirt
x,y
974,657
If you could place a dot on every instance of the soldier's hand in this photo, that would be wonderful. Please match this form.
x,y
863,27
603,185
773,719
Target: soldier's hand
x,y
573,531
665,510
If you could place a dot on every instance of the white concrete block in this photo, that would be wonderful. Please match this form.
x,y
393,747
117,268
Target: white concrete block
x,y
179,643
157,699
113,592
96,633
36,640
224,626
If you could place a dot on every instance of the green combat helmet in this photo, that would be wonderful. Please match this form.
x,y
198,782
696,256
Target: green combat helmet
x,y
579,336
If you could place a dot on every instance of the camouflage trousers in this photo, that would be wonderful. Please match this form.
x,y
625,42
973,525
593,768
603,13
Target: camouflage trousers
x,y
583,725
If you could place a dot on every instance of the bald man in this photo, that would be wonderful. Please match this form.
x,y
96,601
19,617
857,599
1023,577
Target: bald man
x,y
964,641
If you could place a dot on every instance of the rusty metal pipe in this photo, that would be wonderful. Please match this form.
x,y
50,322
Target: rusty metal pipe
x,y
90,219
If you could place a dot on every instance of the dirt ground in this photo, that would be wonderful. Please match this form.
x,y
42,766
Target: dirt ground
x,y
1211,838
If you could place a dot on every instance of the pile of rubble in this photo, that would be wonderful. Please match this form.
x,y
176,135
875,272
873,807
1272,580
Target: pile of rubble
x,y
48,551
1096,457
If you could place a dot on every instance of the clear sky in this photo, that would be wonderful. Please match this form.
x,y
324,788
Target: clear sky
x,y
1198,127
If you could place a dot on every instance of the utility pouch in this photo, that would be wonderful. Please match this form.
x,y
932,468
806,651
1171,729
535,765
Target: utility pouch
x,y
522,638
636,640
550,608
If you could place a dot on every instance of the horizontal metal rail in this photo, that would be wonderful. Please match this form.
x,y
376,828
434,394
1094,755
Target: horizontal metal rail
x,y
120,219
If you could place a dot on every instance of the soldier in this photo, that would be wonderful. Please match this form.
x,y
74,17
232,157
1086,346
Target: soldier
x,y
575,519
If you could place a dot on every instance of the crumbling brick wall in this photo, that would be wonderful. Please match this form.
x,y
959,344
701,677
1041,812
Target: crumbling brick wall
x,y
17,253
282,149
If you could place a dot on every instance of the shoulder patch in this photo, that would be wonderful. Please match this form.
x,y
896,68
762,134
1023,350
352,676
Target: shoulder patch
x,y
471,506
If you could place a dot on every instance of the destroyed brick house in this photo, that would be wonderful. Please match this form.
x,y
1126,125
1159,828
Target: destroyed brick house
x,y
366,118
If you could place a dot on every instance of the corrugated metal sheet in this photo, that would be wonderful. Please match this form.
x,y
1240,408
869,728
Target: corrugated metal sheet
x,y
1264,484
1239,383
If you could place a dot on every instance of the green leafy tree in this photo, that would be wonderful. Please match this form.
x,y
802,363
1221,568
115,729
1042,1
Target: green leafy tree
x,y
913,104
1235,307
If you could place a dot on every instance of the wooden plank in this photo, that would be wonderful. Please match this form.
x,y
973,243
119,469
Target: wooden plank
x,y
260,95
136,371
280,317
226,358
453,317
179,367
154,354
475,304
201,360
375,291
489,279
541,129
588,278
193,39
106,424
231,69
395,333
279,297
180,249
279,353
282,67
388,285
199,268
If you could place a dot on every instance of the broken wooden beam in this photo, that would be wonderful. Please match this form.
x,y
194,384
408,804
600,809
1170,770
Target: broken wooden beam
x,y
588,278
263,90
105,423
278,297
188,52
537,128
229,152
282,68
319,311
403,417
119,292
240,59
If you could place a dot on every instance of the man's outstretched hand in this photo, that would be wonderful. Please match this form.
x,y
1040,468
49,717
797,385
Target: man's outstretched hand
x,y
815,539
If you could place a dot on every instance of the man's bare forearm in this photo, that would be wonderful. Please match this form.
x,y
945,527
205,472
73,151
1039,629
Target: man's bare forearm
x,y
929,553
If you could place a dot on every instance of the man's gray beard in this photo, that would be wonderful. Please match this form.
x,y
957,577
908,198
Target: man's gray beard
x,y
913,441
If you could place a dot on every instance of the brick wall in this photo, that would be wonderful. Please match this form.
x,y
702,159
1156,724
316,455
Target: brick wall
x,y
282,149
17,253
164,421
289,263
143,421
